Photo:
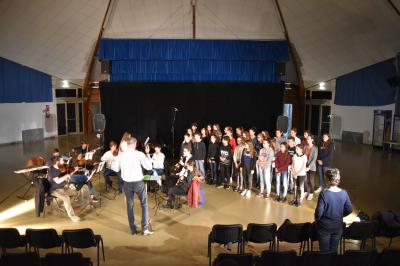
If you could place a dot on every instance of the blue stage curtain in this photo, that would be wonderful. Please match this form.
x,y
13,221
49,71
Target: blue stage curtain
x,y
192,70
194,60
367,86
23,84
153,49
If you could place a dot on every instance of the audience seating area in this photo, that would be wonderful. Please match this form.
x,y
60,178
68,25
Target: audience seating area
x,y
304,234
388,257
37,241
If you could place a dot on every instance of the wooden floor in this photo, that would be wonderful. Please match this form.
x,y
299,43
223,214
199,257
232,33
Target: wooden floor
x,y
371,176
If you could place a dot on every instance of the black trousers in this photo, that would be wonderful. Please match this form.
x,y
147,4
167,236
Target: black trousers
x,y
42,187
310,182
174,191
170,182
224,174
300,184
247,177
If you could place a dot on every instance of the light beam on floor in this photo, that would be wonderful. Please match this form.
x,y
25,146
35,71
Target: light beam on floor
x,y
16,210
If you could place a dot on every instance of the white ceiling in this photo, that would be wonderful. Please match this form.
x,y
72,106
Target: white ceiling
x,y
337,37
215,19
331,37
53,36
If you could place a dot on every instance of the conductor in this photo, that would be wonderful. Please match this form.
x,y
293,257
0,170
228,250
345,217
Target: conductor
x,y
131,162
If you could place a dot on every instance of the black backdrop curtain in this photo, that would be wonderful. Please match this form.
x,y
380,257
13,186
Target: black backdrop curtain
x,y
145,109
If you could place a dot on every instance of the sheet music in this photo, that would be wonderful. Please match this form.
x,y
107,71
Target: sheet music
x,y
89,155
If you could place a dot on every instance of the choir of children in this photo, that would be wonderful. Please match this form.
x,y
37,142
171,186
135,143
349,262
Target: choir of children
x,y
233,161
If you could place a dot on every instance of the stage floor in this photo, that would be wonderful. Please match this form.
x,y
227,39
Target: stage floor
x,y
371,177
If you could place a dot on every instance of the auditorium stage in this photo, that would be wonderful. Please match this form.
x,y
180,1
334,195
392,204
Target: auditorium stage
x,y
370,176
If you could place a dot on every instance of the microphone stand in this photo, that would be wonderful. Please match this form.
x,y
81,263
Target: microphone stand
x,y
174,111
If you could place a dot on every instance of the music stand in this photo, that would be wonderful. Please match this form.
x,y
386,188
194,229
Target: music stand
x,y
99,169
157,178
34,173
89,203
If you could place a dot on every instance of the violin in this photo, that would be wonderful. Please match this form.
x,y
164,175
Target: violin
x,y
83,163
64,170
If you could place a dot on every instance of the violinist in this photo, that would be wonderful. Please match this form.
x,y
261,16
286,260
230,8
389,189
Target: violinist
x,y
58,183
56,152
83,149
78,176
111,169
123,145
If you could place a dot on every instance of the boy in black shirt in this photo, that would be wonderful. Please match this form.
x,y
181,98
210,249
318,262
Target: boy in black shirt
x,y
225,161
291,151
212,157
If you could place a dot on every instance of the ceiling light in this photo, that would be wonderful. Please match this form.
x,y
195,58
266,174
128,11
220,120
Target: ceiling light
x,y
65,84
322,86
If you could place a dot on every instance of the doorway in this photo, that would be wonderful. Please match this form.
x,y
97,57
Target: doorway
x,y
318,118
69,118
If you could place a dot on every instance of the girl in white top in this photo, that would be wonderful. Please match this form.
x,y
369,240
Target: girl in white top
x,y
264,163
112,167
157,159
299,172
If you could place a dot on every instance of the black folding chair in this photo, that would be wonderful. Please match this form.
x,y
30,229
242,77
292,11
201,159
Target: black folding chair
x,y
43,239
361,231
387,225
313,235
239,259
260,234
283,258
389,257
294,233
82,239
317,258
225,234
72,259
20,259
357,257
10,239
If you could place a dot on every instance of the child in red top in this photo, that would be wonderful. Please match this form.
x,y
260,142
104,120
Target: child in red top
x,y
282,162
232,141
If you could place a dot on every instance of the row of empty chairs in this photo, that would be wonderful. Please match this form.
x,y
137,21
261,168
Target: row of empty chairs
x,y
388,257
301,233
38,239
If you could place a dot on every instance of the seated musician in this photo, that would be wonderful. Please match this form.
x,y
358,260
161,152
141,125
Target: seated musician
x,y
157,159
58,183
84,148
79,177
187,155
56,152
183,184
111,169
171,181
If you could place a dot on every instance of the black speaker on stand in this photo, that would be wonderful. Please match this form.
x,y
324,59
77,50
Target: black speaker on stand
x,y
99,125
105,66
282,123
280,68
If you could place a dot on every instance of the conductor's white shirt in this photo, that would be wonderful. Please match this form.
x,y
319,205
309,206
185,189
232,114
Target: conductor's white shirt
x,y
131,162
